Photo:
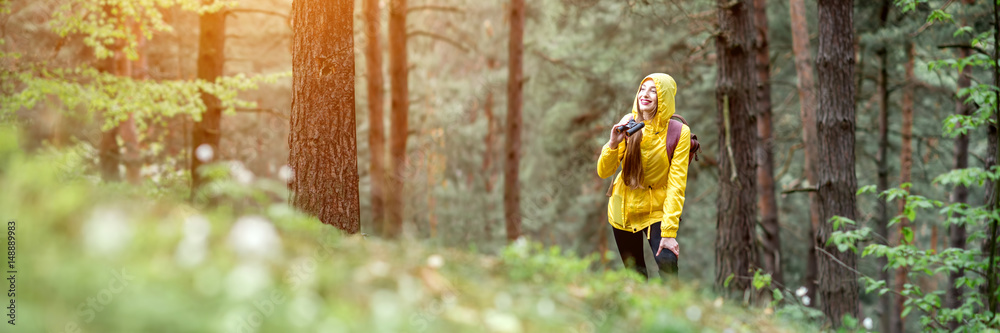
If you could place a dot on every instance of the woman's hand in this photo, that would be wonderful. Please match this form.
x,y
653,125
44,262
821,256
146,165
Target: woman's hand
x,y
670,244
616,135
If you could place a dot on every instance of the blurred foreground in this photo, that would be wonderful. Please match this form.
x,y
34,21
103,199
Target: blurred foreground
x,y
96,257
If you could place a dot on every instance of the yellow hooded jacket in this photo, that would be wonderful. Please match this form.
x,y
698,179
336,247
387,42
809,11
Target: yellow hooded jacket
x,y
662,196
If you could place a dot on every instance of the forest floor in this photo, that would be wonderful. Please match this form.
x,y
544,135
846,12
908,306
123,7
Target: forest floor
x,y
94,257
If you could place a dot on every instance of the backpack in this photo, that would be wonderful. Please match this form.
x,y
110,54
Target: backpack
x,y
674,136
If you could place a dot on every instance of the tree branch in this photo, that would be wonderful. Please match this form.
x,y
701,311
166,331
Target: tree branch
x,y
447,9
257,11
437,37
915,33
272,112
964,46
801,189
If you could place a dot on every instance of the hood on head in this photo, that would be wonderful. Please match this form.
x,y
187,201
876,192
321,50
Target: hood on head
x,y
666,88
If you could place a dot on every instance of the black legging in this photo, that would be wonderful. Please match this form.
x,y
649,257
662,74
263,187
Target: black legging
x,y
630,247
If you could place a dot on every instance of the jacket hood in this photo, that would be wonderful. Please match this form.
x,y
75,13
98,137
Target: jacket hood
x,y
666,88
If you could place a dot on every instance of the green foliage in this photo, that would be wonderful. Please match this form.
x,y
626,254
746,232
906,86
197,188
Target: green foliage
x,y
162,265
920,209
117,97
108,23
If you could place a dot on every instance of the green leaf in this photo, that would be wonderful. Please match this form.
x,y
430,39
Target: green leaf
x,y
908,235
867,189
728,279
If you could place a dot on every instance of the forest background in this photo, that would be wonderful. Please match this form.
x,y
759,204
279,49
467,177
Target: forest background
x,y
133,101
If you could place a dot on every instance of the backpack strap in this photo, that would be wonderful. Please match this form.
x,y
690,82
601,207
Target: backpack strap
x,y
674,136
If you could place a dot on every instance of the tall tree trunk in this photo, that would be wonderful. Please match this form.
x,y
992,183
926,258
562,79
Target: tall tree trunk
x,y
956,232
108,150
110,155
905,165
838,284
768,204
489,153
515,79
807,111
990,246
322,140
882,222
211,60
138,70
126,129
376,103
399,78
736,94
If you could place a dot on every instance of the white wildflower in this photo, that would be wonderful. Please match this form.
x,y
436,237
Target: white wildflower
x,y
693,313
285,173
254,237
435,261
204,152
107,231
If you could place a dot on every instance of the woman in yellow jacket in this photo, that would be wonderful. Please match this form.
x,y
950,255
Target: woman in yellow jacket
x,y
648,195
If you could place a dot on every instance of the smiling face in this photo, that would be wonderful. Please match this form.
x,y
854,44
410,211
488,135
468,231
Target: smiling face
x,y
647,96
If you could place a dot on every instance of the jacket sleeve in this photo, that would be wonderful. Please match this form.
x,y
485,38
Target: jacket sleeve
x,y
676,184
608,162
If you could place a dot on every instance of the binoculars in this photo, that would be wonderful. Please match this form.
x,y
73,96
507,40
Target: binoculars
x,y
631,127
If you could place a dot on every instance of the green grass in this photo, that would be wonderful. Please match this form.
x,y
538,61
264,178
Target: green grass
x,y
93,257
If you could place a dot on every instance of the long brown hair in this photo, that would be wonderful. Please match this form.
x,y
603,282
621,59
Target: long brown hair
x,y
632,172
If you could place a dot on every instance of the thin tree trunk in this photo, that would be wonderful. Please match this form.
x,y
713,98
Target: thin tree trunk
x,y
990,245
399,78
138,70
515,79
807,111
736,94
126,129
956,232
882,225
905,165
108,150
376,103
322,140
768,204
491,127
488,154
882,222
211,60
838,284
110,156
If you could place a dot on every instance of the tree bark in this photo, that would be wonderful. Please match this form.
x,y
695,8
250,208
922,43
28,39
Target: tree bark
x,y
515,79
211,60
807,111
489,153
110,156
956,232
990,246
108,150
838,284
138,70
736,94
882,222
322,140
767,203
126,129
376,104
905,166
399,78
